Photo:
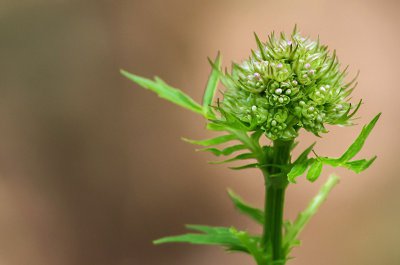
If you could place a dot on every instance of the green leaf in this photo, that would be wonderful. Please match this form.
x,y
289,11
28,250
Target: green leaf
x,y
298,169
253,246
238,157
211,235
227,151
165,91
212,141
211,87
200,239
253,165
254,213
301,164
303,156
334,162
255,137
220,230
294,145
359,165
291,236
359,142
315,170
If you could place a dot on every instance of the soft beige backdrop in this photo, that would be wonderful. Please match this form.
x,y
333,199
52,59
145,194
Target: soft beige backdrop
x,y
92,168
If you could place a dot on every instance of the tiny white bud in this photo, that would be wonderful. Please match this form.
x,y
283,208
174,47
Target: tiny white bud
x,y
311,109
279,65
322,89
278,91
302,103
288,92
289,42
311,72
256,75
339,106
254,108
305,76
317,93
273,123
294,82
328,86
307,65
280,100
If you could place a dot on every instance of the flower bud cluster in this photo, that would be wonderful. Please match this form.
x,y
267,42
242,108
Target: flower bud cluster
x,y
288,84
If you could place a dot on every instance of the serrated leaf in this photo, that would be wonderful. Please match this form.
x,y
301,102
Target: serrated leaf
x,y
211,87
298,169
165,91
226,151
359,165
212,141
359,142
315,170
254,213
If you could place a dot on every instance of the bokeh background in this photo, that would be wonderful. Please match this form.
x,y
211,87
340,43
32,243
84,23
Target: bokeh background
x,y
92,168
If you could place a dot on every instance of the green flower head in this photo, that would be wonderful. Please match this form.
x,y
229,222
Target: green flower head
x,y
287,84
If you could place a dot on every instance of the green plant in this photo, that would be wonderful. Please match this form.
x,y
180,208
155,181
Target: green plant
x,y
286,84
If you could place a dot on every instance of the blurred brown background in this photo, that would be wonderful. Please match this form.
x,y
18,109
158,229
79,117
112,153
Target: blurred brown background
x,y
92,168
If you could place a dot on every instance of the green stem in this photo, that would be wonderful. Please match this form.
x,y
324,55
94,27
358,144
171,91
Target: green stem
x,y
275,186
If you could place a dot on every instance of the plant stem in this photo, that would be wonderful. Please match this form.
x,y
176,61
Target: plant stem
x,y
275,186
